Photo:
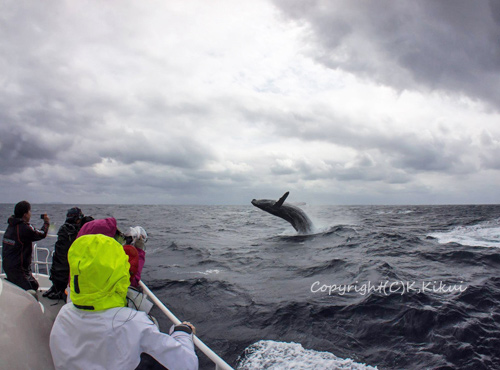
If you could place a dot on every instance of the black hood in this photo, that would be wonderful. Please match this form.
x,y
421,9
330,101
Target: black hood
x,y
15,221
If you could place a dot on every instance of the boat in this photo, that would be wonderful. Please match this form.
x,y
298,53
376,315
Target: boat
x,y
26,321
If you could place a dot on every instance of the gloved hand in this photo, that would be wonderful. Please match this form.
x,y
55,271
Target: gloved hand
x,y
186,327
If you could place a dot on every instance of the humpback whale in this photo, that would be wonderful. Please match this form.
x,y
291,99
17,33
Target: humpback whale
x,y
286,211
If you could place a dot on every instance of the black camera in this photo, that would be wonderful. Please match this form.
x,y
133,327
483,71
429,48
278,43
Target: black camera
x,y
42,216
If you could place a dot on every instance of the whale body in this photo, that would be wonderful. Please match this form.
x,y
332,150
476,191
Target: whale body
x,y
297,218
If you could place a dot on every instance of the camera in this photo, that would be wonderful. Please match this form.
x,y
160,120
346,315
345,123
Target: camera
x,y
42,216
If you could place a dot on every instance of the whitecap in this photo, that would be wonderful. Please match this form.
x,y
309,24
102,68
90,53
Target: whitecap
x,y
271,355
207,272
485,234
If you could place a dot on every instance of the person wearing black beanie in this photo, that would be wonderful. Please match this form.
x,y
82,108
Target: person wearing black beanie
x,y
17,246
59,272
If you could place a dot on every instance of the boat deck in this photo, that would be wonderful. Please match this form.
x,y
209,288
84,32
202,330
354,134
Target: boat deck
x,y
51,306
20,313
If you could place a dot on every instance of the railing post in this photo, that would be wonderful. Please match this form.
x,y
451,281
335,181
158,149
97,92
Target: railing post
x,y
220,364
35,252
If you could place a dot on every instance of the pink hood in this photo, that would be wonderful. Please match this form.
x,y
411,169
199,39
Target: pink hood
x,y
106,226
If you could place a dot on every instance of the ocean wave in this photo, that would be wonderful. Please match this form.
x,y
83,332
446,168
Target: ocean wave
x,y
197,251
207,272
193,284
455,256
291,236
271,355
397,237
339,230
484,234
395,212
332,265
263,290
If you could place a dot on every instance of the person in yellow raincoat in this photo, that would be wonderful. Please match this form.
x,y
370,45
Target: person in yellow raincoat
x,y
96,330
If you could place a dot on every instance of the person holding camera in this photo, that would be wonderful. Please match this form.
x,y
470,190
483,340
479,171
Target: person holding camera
x,y
17,246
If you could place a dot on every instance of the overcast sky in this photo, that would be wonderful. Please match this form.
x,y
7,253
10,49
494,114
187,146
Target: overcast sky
x,y
220,102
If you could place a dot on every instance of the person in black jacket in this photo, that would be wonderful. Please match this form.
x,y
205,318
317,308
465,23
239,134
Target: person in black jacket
x,y
17,246
59,272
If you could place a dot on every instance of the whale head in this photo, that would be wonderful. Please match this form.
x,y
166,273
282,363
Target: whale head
x,y
294,215
263,203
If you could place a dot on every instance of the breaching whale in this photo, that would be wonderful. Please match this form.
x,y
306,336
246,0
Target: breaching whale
x,y
286,211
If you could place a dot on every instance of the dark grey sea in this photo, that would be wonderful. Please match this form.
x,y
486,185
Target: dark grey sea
x,y
393,287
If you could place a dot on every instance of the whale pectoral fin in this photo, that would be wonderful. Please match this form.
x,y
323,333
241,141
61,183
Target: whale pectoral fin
x,y
280,202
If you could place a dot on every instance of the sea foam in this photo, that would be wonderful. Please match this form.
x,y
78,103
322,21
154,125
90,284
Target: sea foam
x,y
485,234
271,355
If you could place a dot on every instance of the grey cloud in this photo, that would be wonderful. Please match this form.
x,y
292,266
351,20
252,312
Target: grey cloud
x,y
278,169
412,153
175,151
409,152
449,45
408,148
77,90
187,187
490,157
375,172
359,174
491,161
53,109
364,168
21,148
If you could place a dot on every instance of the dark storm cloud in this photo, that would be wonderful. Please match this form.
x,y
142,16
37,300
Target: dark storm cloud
x,y
20,148
446,45
157,103
55,106
44,125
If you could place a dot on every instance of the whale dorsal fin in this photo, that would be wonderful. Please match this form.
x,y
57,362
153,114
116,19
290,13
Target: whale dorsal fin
x,y
280,202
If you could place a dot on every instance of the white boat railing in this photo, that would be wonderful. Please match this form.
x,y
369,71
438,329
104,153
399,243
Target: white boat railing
x,y
36,262
220,364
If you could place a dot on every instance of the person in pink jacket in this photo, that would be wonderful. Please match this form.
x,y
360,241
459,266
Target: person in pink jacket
x,y
137,237
134,236
106,226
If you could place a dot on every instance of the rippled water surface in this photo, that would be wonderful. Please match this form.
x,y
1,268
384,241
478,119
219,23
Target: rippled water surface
x,y
397,287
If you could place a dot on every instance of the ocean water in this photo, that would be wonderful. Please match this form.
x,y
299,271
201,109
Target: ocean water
x,y
387,287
